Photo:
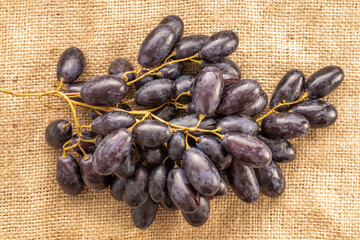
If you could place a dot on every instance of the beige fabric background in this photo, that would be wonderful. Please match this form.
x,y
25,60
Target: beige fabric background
x,y
322,199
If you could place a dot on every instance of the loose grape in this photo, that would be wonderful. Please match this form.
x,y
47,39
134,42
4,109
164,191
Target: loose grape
x,y
68,175
70,65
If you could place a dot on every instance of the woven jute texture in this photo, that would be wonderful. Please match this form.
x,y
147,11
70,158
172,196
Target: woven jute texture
x,y
322,199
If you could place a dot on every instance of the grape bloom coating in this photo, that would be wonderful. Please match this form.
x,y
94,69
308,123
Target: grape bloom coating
x,y
191,135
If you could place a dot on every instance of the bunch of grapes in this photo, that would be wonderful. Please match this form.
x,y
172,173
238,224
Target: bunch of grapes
x,y
156,157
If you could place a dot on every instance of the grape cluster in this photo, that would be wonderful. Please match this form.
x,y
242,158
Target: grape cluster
x,y
156,157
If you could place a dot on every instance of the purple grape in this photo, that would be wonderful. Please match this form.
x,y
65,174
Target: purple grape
x,y
119,66
319,113
75,88
181,192
136,191
127,168
218,46
201,215
139,83
110,121
201,172
183,84
112,151
176,24
158,183
243,182
284,125
222,188
238,123
104,90
289,89
117,188
192,120
257,106
166,113
189,46
153,155
151,133
207,90
144,215
229,68
70,65
211,146
168,204
176,146
57,133
155,92
324,81
271,180
247,149
156,46
68,175
88,147
90,177
172,71
239,96
282,150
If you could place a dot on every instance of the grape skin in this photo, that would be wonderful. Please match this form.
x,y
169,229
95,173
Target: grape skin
x,y
68,175
70,65
144,215
127,168
271,180
119,66
90,177
155,92
151,133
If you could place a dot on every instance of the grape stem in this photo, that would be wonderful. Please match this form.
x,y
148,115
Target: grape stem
x,y
284,103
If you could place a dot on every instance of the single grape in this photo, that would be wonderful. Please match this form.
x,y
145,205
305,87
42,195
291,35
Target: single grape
x,y
229,68
90,177
218,46
324,81
75,88
166,113
211,146
319,113
68,175
136,191
70,65
247,149
151,133
155,92
144,215
138,84
238,123
191,121
172,71
271,180
176,146
156,46
110,121
127,168
282,150
168,204
222,188
183,84
183,195
207,90
153,155
189,46
117,188
289,89
57,133
176,23
284,125
112,151
104,90
119,66
201,215
239,96
157,183
257,106
88,147
243,182
201,172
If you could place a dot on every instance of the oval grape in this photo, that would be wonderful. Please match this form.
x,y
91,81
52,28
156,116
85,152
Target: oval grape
x,y
57,133
176,146
151,133
201,215
90,177
119,66
136,191
110,121
68,175
144,215
155,92
238,123
158,183
189,46
282,150
271,180
176,23
70,65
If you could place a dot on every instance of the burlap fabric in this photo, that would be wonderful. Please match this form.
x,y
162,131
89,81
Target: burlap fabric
x,y
322,199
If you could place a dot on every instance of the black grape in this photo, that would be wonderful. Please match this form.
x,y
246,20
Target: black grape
x,y
271,180
117,188
191,121
183,84
168,204
155,92
176,24
238,123
153,155
282,150
70,65
104,90
176,146
68,175
257,106
284,125
207,90
324,81
127,168
172,71
189,46
57,134
139,83
90,177
110,121
201,215
229,68
144,215
136,191
151,133
167,112
158,183
119,66
156,46
75,88
112,151
218,46
88,147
